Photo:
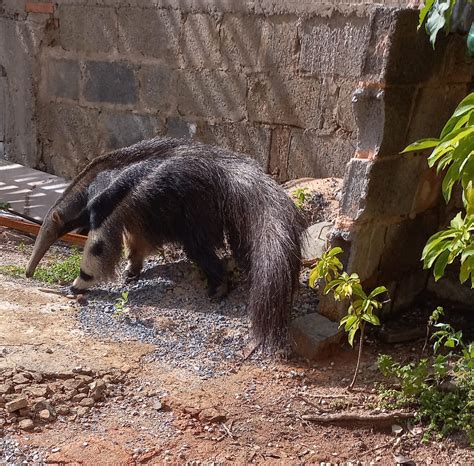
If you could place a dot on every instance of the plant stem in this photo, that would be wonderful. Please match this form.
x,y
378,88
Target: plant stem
x,y
359,356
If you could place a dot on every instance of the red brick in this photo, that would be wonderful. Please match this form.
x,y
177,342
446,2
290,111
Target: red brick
x,y
42,7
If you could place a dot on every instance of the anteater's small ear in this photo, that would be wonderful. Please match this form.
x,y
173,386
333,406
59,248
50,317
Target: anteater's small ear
x,y
56,217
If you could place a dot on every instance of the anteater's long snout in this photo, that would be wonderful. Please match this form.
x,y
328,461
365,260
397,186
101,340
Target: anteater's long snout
x,y
48,234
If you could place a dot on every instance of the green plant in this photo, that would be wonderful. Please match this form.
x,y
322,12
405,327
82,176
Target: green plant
x,y
120,305
58,273
436,15
299,196
362,307
440,388
453,151
12,270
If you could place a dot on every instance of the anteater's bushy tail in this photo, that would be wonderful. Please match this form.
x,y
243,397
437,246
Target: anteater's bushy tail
x,y
272,229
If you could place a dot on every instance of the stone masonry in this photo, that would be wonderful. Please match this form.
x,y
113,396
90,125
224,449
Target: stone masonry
x,y
270,78
307,87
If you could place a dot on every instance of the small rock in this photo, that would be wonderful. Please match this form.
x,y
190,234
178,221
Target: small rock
x,y
314,336
79,397
157,405
6,388
83,410
16,404
97,389
26,424
45,415
212,415
81,299
62,410
19,379
23,412
87,402
38,390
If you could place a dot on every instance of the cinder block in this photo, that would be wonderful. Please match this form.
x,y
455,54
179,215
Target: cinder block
x,y
63,78
158,88
279,42
404,243
201,42
393,183
178,128
278,99
241,137
125,129
354,187
334,47
110,82
258,42
87,29
315,337
150,32
241,39
412,60
279,153
432,108
212,94
313,155
70,138
367,246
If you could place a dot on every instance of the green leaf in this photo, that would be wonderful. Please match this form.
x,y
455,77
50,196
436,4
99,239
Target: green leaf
x,y
377,291
313,277
436,19
333,252
424,11
351,335
440,265
421,144
371,318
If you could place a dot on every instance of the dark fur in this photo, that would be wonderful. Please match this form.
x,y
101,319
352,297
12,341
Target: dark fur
x,y
195,195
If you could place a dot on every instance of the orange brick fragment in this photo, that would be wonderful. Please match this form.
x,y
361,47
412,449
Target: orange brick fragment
x,y
42,7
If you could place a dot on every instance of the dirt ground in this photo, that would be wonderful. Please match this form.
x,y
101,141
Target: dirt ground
x,y
163,378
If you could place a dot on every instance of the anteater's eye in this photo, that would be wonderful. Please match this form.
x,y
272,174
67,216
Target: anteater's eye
x,y
85,276
97,248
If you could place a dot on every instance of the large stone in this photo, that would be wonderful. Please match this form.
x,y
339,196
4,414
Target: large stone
x,y
158,88
179,128
110,82
313,155
63,78
354,188
315,240
212,94
71,138
150,32
315,337
241,137
16,404
125,129
201,42
392,186
274,98
89,30
334,47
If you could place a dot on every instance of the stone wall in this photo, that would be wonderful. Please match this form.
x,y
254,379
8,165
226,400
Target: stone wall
x,y
270,78
309,88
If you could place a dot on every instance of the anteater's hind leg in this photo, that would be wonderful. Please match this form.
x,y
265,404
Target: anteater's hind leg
x,y
136,250
206,258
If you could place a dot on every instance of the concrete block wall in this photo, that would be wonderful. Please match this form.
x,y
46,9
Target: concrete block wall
x,y
271,78
391,202
307,87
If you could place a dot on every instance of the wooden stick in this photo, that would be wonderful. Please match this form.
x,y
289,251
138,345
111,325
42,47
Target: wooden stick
x,y
343,417
32,228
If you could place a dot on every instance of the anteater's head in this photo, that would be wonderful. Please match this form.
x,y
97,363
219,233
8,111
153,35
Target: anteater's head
x,y
66,215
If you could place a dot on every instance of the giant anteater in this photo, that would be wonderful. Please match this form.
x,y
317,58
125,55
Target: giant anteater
x,y
170,190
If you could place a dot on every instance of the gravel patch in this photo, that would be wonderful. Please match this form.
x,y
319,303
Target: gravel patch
x,y
169,308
